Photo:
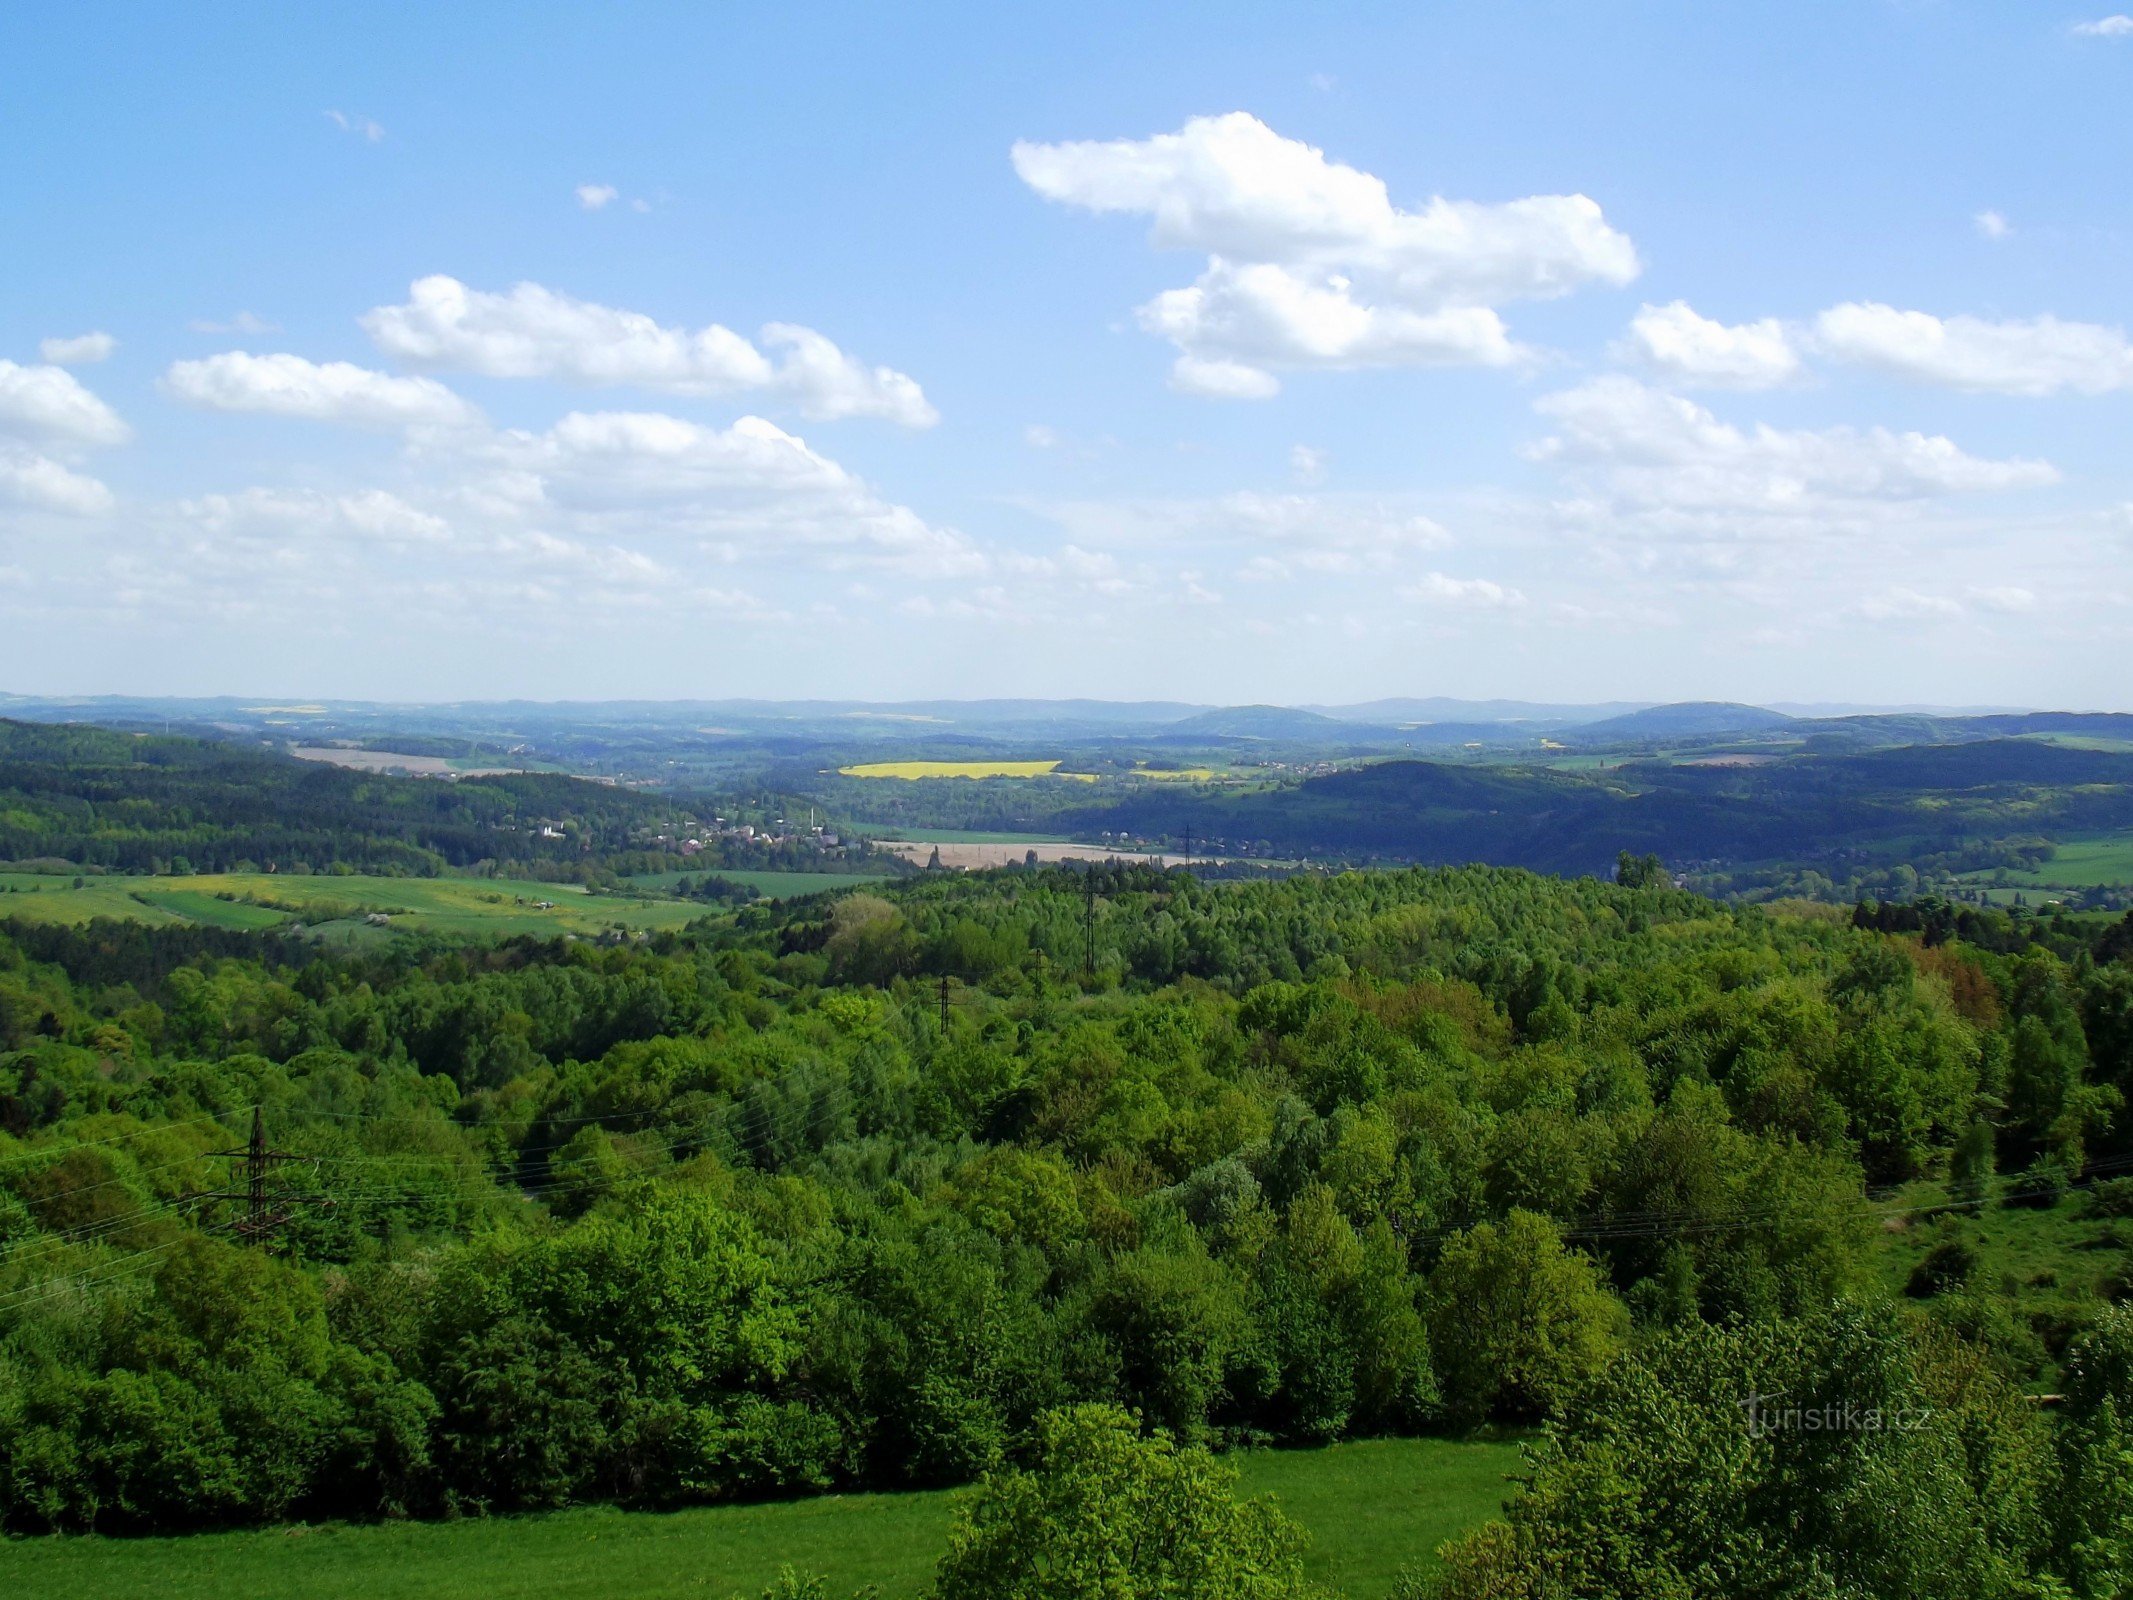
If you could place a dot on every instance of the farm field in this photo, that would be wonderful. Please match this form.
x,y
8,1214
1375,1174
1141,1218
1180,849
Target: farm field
x,y
336,907
1371,1507
976,836
417,766
2077,864
912,770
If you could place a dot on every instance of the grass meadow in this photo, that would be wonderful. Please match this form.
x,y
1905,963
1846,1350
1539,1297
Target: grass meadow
x,y
2101,859
337,906
1371,1507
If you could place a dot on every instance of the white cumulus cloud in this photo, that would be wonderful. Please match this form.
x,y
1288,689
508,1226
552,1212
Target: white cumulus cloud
x,y
1992,225
1690,348
49,403
46,414
2116,27
1647,449
1310,262
2032,356
594,196
82,349
323,391
750,488
534,332
370,515
42,484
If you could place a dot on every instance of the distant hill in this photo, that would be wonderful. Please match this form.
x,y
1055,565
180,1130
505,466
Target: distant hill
x,y
1438,708
151,802
1686,719
1803,808
1264,722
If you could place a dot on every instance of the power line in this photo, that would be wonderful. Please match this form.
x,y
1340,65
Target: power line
x,y
260,1221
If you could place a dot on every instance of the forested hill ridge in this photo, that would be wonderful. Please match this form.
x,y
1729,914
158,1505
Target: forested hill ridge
x,y
1813,810
874,1189
157,803
1828,824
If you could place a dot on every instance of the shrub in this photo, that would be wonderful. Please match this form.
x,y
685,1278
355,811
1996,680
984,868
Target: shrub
x,y
1104,1513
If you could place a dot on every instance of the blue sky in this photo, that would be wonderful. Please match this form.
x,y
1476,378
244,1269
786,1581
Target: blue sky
x,y
1235,354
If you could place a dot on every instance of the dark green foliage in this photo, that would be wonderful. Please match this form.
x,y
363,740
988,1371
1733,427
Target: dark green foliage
x,y
1947,1267
153,803
2042,1185
2112,1198
1831,810
1641,872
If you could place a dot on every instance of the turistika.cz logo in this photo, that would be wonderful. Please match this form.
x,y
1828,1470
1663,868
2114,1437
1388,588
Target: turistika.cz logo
x,y
1831,1416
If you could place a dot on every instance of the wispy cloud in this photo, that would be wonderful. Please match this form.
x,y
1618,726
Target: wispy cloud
x,y
239,322
362,127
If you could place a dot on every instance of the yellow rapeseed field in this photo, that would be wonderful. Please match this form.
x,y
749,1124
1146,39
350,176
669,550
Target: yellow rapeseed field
x,y
962,769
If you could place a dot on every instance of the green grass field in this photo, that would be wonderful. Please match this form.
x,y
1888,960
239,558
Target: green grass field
x,y
337,907
2050,1261
2102,859
1371,1507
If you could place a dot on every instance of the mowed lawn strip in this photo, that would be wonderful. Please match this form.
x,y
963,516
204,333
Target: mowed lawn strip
x,y
1371,1507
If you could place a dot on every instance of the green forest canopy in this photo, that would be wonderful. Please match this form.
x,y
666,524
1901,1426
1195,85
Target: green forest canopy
x,y
733,1212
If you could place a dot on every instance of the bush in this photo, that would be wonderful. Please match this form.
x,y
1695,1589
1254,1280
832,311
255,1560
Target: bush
x,y
1946,1267
1519,1323
2041,1187
1839,1455
1103,1513
2112,1198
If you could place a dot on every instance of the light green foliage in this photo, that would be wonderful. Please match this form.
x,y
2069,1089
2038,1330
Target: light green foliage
x,y
1103,1513
1518,1322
